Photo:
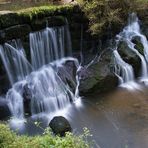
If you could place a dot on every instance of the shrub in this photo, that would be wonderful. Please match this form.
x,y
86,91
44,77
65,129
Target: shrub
x,y
9,139
103,14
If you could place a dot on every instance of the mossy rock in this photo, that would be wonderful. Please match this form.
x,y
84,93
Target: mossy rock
x,y
8,19
14,32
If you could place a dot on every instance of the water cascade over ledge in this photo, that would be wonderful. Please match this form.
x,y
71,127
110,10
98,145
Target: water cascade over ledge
x,y
45,85
123,70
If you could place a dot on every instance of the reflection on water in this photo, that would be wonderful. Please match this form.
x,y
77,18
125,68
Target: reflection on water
x,y
116,120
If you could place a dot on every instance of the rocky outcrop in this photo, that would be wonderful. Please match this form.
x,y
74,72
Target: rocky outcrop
x,y
60,125
96,77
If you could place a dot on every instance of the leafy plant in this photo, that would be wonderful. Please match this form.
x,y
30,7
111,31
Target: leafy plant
x,y
103,14
9,139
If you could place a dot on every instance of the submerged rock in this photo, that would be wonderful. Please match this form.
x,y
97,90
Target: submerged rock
x,y
60,125
4,109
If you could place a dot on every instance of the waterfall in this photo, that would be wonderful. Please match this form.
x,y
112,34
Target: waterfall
x,y
15,62
48,93
45,85
52,41
123,70
130,32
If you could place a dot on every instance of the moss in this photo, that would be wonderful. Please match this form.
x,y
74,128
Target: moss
x,y
9,139
30,14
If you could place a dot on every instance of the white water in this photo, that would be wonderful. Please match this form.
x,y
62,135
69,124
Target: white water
x,y
52,41
49,93
15,62
129,33
123,70
46,76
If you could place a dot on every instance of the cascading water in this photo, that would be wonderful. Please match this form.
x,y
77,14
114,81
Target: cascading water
x,y
15,62
129,33
45,89
52,41
123,70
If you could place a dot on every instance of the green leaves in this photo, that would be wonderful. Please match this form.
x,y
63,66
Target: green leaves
x,y
105,13
9,139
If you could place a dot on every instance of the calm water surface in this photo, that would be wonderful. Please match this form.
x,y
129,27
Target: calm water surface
x,y
116,120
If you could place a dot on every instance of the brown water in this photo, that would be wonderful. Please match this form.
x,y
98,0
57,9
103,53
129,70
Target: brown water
x,y
116,120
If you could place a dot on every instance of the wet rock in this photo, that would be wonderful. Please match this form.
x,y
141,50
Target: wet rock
x,y
4,110
96,77
138,44
130,57
60,125
67,73
27,95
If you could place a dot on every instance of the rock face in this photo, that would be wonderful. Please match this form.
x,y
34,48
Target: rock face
x,y
96,77
60,125
4,109
130,57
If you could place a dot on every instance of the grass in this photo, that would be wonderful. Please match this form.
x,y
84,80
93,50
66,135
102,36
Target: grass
x,y
9,139
6,5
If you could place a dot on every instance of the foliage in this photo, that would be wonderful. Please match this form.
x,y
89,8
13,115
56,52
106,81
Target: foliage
x,y
108,13
9,139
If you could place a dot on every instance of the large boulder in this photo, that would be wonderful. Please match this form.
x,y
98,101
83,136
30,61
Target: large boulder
x,y
129,57
4,109
60,125
95,78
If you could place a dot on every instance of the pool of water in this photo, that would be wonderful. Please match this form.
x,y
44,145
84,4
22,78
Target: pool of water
x,y
116,120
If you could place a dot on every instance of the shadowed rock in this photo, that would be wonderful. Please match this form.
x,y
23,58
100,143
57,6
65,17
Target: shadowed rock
x,y
60,125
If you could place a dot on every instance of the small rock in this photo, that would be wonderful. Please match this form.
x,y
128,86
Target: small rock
x,y
60,125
